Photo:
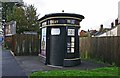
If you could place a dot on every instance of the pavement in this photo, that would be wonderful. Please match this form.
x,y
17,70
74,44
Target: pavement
x,y
10,66
0,60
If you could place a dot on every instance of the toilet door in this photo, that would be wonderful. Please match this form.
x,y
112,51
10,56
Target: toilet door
x,y
57,45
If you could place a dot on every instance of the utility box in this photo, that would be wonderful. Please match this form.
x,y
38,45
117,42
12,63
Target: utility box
x,y
60,39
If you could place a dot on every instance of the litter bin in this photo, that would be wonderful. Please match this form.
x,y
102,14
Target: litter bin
x,y
59,39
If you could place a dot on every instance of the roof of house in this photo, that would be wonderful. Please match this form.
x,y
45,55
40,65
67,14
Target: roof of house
x,y
104,30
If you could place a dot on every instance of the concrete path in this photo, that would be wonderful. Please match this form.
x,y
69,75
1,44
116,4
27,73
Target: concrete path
x,y
36,63
10,66
32,64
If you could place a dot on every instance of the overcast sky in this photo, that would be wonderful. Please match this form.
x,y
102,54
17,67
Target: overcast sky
x,y
96,12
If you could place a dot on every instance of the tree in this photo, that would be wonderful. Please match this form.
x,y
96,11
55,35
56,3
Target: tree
x,y
25,17
32,18
7,9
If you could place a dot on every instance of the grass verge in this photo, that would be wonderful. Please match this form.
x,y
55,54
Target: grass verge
x,y
106,72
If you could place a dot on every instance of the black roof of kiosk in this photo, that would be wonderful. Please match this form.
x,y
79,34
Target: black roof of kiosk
x,y
62,15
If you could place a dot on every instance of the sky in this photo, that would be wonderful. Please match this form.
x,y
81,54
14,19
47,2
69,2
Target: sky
x,y
96,12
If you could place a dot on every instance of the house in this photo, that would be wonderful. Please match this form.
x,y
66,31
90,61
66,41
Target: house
x,y
92,32
83,33
113,31
88,33
101,30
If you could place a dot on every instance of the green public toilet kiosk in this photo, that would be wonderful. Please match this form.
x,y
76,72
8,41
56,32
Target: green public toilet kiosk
x,y
59,41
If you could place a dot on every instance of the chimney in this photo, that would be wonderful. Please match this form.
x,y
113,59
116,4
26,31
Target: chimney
x,y
101,27
112,25
116,22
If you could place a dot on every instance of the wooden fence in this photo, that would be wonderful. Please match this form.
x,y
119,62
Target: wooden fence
x,y
106,49
23,44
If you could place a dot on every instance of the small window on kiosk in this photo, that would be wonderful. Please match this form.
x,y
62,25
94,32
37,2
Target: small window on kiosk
x,y
71,32
72,44
68,44
72,50
68,50
72,39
